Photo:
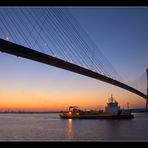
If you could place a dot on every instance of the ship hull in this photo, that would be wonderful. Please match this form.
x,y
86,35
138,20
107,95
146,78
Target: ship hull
x,y
99,117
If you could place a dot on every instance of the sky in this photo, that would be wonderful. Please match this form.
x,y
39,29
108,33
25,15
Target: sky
x,y
120,33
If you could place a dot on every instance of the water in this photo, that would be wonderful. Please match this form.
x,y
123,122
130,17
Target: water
x,y
49,127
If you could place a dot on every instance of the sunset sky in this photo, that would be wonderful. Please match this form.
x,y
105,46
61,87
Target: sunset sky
x,y
121,34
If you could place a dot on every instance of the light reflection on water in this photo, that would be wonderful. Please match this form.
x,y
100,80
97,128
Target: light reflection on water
x,y
50,127
70,129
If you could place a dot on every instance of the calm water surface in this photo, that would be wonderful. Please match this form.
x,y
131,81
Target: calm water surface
x,y
49,127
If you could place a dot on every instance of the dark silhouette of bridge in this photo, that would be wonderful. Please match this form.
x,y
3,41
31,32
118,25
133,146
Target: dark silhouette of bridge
x,y
28,53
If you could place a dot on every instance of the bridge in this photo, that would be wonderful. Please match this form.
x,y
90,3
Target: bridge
x,y
32,54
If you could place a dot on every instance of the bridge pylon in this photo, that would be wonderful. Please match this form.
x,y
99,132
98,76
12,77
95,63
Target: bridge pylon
x,y
147,90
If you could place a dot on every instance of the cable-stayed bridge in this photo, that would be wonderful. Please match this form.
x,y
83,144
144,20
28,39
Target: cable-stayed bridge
x,y
53,36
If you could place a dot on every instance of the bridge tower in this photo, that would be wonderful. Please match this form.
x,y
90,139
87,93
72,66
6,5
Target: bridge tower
x,y
147,90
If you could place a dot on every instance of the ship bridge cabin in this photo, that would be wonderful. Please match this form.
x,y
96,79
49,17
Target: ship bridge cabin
x,y
112,105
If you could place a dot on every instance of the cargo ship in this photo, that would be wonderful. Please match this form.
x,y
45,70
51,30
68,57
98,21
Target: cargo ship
x,y
112,111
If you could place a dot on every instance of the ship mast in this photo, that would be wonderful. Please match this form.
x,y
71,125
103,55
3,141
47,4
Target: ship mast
x,y
111,98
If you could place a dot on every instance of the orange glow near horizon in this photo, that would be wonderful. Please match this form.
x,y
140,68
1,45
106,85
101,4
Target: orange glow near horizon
x,y
62,100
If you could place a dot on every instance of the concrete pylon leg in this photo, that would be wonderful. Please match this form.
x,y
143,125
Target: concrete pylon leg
x,y
147,90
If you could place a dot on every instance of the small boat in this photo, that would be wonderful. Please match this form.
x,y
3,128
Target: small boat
x,y
112,111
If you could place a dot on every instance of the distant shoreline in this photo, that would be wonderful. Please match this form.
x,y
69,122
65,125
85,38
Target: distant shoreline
x,y
45,112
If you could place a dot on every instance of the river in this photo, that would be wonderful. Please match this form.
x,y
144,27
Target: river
x,y
49,127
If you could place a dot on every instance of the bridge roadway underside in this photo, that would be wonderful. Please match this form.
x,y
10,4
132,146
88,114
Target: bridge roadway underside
x,y
18,50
